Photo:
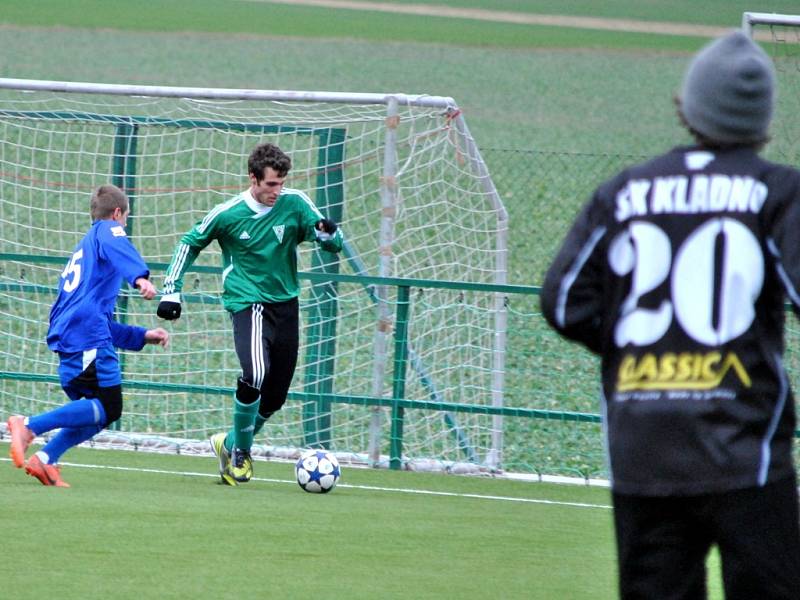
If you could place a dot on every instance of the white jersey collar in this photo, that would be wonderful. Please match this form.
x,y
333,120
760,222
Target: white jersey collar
x,y
255,205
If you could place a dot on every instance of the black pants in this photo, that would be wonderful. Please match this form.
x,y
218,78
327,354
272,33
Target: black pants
x,y
267,337
662,543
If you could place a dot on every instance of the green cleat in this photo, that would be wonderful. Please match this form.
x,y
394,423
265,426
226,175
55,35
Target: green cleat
x,y
218,447
241,465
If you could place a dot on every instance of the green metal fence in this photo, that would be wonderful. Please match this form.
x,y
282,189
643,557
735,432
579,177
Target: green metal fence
x,y
550,417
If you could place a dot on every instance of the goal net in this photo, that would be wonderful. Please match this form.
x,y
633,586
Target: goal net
x,y
780,37
400,173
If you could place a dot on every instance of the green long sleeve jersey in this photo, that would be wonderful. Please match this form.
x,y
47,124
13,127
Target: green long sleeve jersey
x,y
259,247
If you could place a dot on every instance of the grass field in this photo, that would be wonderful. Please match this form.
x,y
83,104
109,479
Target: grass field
x,y
555,89
151,526
264,18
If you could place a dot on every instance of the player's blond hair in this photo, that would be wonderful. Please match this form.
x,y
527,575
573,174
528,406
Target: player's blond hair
x,y
105,200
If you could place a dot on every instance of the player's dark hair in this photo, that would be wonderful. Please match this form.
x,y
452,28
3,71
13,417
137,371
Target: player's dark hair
x,y
105,200
268,155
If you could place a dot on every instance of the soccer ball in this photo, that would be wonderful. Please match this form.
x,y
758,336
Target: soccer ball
x,y
317,471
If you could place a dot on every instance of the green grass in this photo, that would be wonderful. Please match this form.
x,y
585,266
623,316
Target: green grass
x,y
520,99
265,19
136,525
711,12
153,526
533,94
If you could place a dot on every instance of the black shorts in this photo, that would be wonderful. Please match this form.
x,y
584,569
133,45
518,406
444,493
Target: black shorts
x,y
662,543
266,337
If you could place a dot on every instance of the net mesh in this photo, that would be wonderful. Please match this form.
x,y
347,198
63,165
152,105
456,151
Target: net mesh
x,y
427,215
782,42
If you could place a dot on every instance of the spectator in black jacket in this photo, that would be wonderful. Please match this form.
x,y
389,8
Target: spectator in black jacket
x,y
676,273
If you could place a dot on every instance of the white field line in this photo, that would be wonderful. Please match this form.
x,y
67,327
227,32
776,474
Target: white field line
x,y
345,485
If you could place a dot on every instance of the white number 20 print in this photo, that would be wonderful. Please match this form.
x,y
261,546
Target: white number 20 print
x,y
73,268
712,308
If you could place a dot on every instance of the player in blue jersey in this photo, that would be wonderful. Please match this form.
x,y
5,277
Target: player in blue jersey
x,y
84,335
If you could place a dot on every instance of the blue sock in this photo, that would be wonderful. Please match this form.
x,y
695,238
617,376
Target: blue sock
x,y
78,413
66,439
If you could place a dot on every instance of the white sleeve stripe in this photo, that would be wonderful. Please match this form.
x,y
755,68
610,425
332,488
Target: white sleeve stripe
x,y
177,266
225,271
306,199
604,428
179,262
572,274
214,212
791,291
766,451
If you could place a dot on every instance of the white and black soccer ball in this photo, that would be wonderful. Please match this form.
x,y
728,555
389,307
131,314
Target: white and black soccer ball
x,y
317,471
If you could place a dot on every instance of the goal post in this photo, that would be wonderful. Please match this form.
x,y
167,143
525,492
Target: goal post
x,y
751,19
402,174
780,36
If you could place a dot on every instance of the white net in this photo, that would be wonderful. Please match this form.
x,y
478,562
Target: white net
x,y
780,38
421,207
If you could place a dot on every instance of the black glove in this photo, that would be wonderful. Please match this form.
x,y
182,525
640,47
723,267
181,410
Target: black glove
x,y
170,307
327,226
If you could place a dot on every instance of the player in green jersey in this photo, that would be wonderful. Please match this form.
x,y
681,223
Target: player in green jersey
x,y
259,231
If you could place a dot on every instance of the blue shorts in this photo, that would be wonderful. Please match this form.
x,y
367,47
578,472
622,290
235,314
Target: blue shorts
x,y
82,374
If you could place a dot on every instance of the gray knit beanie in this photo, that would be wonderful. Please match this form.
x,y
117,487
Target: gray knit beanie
x,y
728,90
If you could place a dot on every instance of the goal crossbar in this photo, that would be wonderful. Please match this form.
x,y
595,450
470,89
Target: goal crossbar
x,y
78,87
749,19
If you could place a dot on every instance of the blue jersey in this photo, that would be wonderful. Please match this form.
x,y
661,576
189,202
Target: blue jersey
x,y
82,316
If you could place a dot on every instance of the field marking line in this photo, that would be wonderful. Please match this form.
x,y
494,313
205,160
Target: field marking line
x,y
344,485
518,18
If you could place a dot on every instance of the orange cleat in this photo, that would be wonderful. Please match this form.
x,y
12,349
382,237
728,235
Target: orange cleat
x,y
21,438
47,474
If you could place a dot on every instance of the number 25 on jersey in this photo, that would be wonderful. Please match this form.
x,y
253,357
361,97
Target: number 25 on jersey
x,y
72,272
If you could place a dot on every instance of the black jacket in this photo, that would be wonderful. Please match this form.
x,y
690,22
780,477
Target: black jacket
x,y
676,272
